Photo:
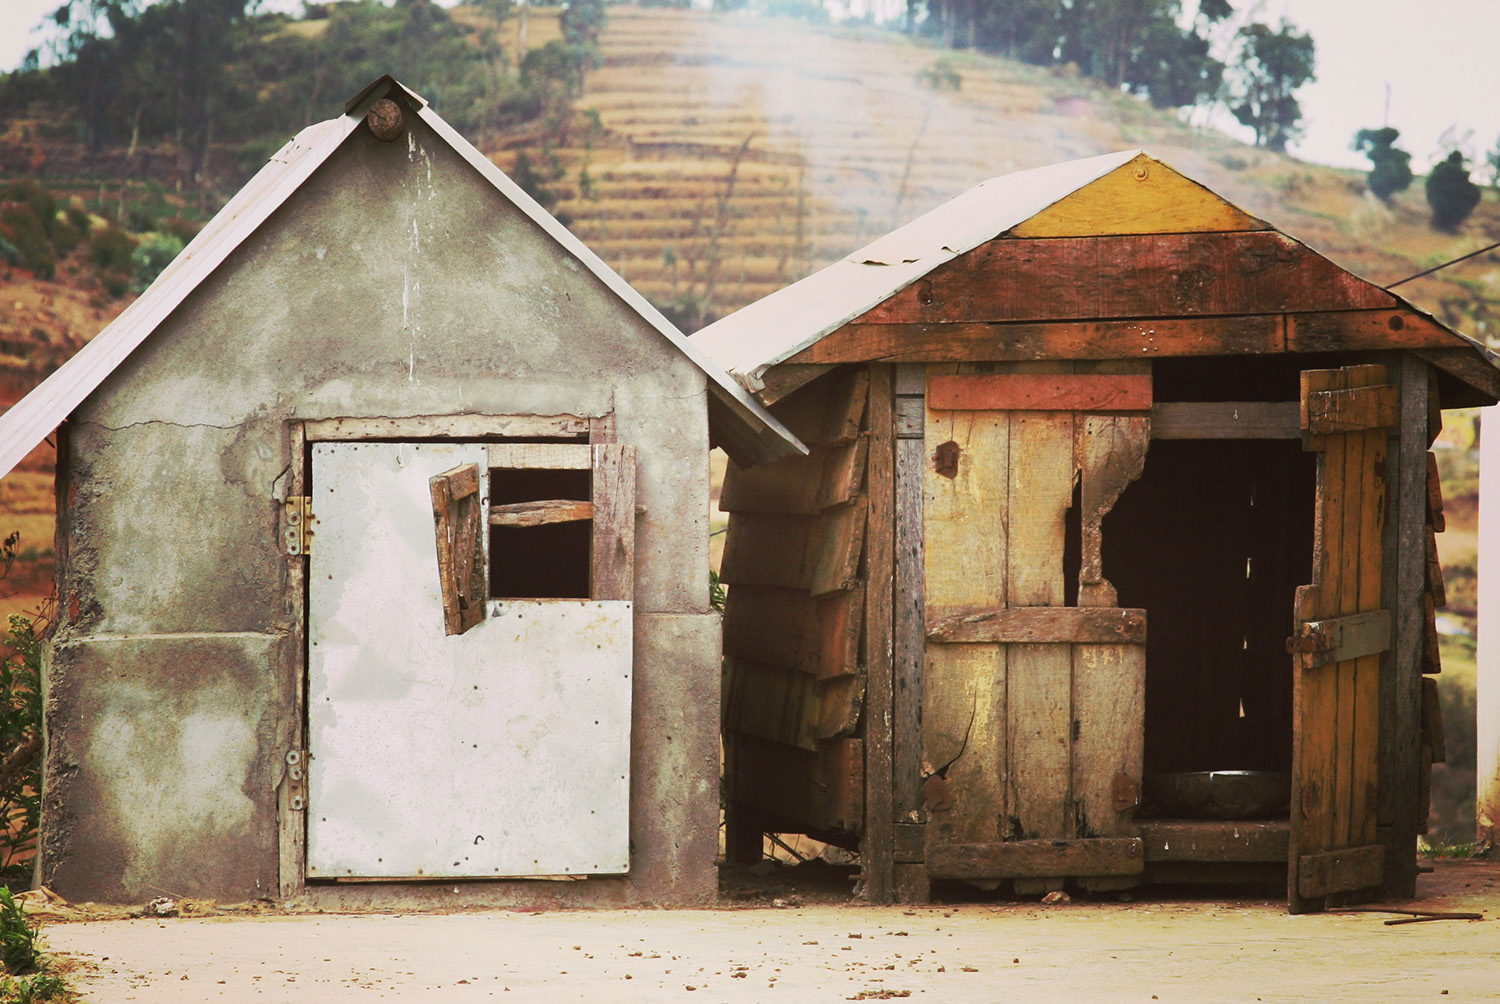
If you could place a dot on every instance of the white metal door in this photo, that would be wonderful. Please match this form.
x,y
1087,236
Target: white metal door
x,y
503,751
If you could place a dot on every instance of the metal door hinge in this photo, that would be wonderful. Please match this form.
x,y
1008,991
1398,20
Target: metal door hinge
x,y
296,779
297,536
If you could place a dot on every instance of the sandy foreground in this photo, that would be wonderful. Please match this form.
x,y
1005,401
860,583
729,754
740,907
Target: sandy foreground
x,y
1152,949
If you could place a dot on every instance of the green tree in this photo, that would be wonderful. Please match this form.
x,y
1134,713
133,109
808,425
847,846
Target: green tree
x,y
1272,66
1390,168
581,21
1450,193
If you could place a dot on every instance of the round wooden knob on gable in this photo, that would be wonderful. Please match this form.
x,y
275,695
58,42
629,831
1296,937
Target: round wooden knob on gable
x,y
385,119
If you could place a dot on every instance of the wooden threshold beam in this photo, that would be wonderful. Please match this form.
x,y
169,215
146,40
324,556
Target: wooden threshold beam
x,y
1035,858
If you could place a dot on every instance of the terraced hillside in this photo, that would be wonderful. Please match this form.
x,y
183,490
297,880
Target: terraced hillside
x,y
738,154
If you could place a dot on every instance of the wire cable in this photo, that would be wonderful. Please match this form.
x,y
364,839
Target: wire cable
x,y
1437,268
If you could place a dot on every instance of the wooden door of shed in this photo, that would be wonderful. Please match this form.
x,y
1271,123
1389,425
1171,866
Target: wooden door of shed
x,y
1340,632
1033,692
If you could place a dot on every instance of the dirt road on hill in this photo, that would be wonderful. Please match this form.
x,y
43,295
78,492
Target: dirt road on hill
x,y
1148,950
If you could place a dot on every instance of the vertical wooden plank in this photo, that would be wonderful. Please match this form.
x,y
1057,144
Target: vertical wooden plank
x,y
291,829
1109,706
1364,740
1400,684
908,641
1349,556
1312,741
1039,677
612,556
876,847
966,457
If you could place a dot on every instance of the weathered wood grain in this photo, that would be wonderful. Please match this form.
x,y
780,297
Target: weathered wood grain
x,y
1336,706
291,818
460,546
1108,737
908,641
449,427
1242,840
1434,738
546,456
792,628
1038,677
541,512
1040,392
819,553
1110,453
1035,858
782,381
612,550
1435,587
1167,275
1470,366
1036,625
1434,495
829,410
880,573
1351,410
1400,772
1339,870
770,702
941,341
829,475
1144,196
1354,330
1225,420
964,563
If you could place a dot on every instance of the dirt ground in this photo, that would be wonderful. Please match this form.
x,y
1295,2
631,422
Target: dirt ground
x,y
812,948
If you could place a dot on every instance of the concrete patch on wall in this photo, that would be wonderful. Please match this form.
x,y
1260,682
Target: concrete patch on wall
x,y
158,742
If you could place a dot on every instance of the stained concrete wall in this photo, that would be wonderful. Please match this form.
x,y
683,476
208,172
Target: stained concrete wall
x,y
395,283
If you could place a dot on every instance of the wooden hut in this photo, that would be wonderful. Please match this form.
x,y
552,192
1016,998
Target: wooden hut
x,y
1110,482
382,553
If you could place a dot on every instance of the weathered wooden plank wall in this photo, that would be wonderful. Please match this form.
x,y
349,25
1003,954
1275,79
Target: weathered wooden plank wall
x,y
795,619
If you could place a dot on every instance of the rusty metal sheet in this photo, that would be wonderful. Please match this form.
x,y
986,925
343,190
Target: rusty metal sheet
x,y
504,751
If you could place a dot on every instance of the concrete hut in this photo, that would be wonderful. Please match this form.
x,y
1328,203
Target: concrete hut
x,y
270,675
1111,485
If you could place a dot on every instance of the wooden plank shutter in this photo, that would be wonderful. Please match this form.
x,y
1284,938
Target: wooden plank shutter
x,y
1340,631
460,546
612,556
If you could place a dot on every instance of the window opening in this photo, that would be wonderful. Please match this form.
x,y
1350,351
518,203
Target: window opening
x,y
549,560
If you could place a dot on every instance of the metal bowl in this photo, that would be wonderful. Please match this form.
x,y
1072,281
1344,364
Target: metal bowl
x,y
1221,794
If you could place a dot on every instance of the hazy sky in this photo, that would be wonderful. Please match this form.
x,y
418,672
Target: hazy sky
x,y
1438,56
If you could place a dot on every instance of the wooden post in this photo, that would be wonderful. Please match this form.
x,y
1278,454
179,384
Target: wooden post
x,y
1400,667
908,643
1487,805
292,818
877,847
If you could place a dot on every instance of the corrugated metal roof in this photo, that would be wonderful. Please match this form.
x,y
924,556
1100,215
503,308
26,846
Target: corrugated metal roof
x,y
34,417
773,329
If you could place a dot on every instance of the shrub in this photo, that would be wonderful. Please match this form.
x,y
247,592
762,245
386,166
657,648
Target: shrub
x,y
24,230
110,249
151,255
1450,193
940,76
20,737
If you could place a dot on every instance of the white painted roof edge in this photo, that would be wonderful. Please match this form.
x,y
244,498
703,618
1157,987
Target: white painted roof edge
x,y
777,327
35,416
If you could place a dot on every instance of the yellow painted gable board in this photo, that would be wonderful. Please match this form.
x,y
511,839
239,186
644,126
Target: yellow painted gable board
x,y
1143,196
